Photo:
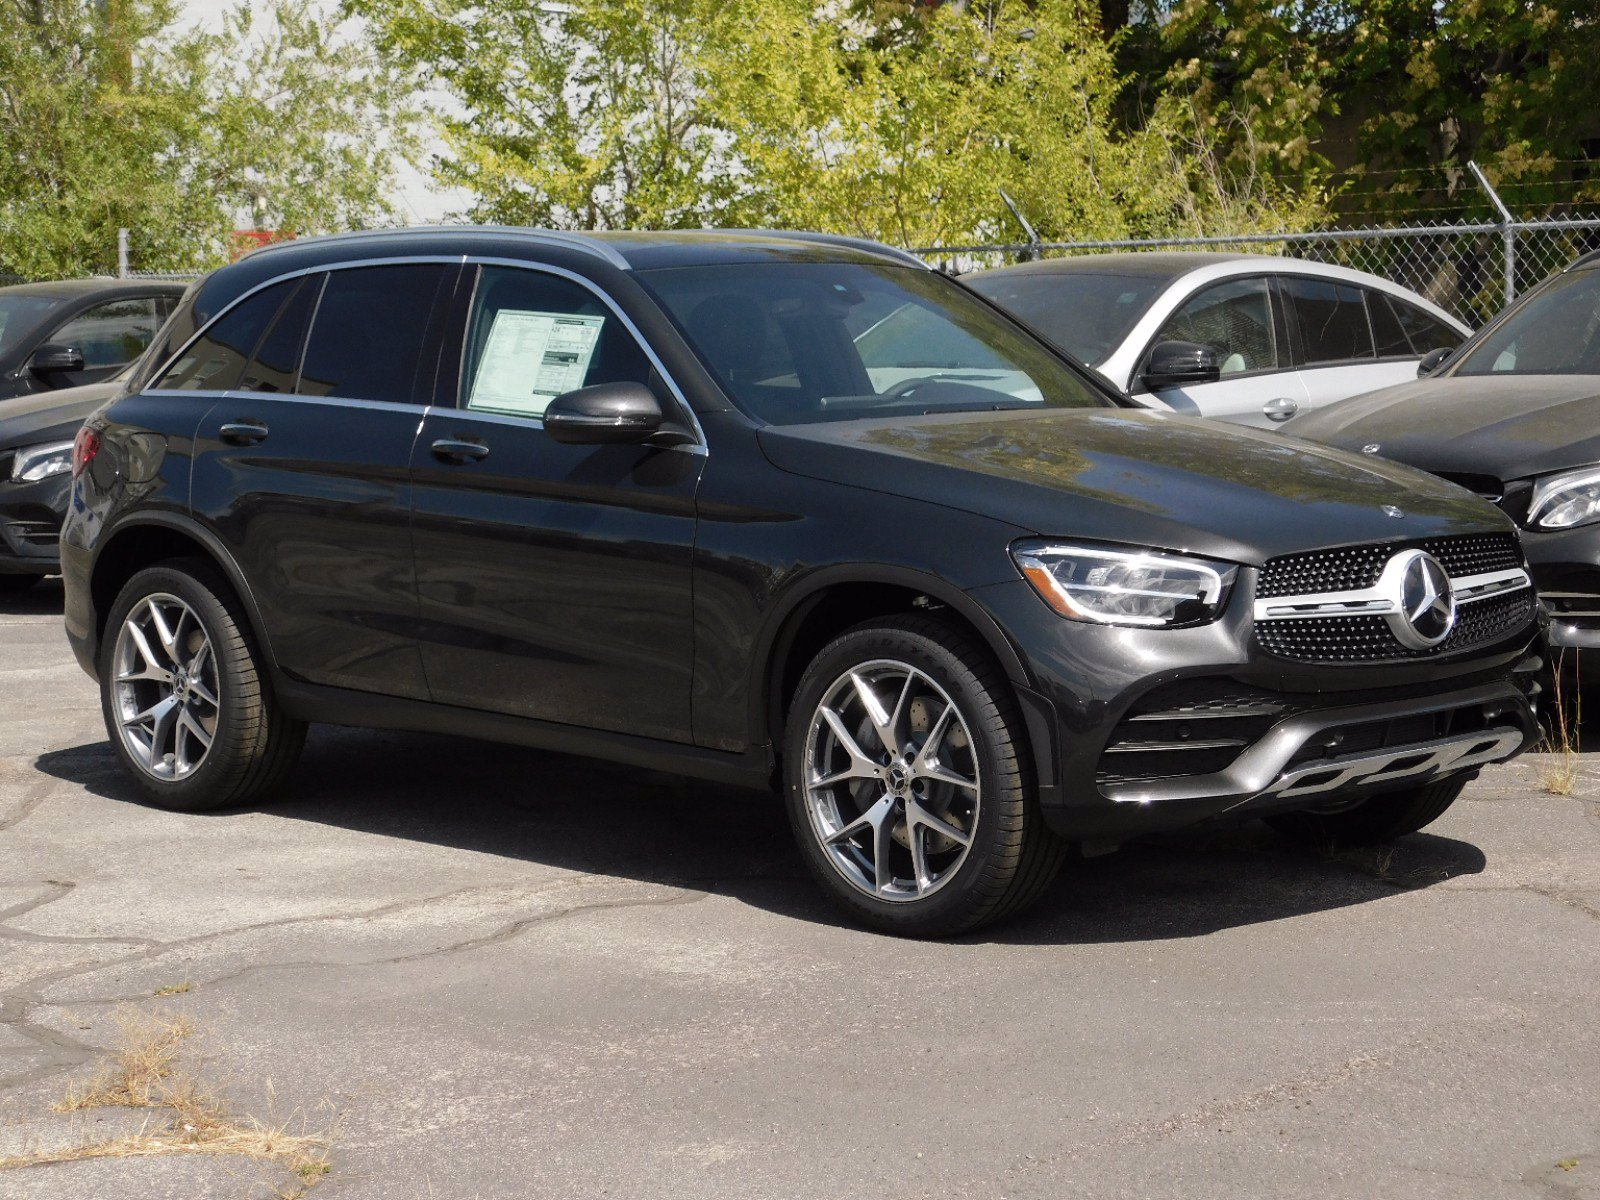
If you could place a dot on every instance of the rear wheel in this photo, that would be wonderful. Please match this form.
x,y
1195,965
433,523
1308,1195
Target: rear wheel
x,y
1378,819
907,784
185,695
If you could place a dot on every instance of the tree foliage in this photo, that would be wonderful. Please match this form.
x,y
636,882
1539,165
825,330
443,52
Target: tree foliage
x,y
889,120
110,119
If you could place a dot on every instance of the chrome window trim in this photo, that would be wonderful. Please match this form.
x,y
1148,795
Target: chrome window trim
x,y
460,260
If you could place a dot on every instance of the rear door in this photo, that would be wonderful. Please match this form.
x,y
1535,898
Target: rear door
x,y
554,580
1337,348
1237,318
302,463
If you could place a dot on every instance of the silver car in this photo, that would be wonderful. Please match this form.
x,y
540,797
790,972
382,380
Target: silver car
x,y
1242,337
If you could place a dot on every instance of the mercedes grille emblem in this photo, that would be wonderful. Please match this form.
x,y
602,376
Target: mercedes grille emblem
x,y
1426,601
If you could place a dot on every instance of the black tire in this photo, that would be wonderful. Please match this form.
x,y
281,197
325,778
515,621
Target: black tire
x,y
1379,819
254,745
1013,857
15,585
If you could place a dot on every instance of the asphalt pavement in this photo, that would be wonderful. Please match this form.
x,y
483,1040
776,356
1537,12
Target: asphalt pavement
x,y
490,972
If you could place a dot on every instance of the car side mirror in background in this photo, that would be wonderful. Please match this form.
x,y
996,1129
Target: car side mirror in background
x,y
608,414
1174,364
1433,360
53,358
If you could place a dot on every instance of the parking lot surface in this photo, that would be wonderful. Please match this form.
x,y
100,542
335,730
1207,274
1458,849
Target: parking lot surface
x,y
489,972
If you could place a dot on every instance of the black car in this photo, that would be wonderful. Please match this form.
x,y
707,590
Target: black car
x,y
1513,415
36,436
770,507
78,331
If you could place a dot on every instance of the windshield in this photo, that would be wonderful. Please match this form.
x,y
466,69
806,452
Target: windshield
x,y
795,343
1556,331
1086,315
19,314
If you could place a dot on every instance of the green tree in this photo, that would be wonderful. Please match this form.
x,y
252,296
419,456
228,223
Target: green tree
x,y
110,119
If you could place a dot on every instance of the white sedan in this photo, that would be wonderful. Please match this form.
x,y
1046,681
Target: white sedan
x,y
1242,337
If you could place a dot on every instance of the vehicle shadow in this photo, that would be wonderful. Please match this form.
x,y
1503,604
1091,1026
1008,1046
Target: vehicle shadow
x,y
595,817
43,599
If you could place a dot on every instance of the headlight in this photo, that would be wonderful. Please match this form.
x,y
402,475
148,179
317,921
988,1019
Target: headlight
x,y
1564,500
40,462
1124,587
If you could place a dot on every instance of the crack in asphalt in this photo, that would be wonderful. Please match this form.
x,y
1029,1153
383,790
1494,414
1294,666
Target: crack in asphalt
x,y
62,1051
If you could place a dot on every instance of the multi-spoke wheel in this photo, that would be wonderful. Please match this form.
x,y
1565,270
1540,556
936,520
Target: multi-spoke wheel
x,y
165,679
905,773
186,702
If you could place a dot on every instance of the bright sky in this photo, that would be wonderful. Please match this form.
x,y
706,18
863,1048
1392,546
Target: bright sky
x,y
418,200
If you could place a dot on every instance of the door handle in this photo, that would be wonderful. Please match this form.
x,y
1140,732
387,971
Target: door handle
x,y
457,450
243,433
1280,409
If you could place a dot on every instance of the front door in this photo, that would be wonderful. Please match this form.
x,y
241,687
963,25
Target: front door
x,y
554,580
302,463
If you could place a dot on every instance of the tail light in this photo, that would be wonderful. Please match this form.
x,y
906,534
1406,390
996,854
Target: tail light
x,y
84,447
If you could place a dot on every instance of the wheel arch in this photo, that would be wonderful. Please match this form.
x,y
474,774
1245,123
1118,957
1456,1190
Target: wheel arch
x,y
152,537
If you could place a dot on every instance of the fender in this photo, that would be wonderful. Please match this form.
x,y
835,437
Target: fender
x,y
220,555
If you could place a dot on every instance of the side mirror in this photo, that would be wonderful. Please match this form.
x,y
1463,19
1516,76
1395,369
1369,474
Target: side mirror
x,y
53,358
1433,360
603,415
1174,364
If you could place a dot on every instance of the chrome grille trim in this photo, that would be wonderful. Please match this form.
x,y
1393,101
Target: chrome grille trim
x,y
1375,601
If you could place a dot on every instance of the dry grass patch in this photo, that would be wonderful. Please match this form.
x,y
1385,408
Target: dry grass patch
x,y
1559,775
143,1072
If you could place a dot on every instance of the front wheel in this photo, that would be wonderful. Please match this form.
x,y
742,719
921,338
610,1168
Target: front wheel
x,y
185,695
1377,819
907,782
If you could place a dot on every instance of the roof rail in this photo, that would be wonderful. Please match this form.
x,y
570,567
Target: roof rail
x,y
552,237
836,239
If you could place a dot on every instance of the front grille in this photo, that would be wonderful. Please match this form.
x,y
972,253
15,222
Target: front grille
x,y
1369,639
1353,567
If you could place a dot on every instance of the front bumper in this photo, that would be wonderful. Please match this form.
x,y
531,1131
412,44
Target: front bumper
x,y
1230,729
30,525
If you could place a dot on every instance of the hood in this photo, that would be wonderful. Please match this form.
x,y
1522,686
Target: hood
x,y
50,416
1151,479
1505,426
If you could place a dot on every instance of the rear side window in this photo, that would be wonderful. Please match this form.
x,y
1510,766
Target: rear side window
x,y
1425,331
113,334
276,362
215,360
1234,319
369,331
1332,318
533,336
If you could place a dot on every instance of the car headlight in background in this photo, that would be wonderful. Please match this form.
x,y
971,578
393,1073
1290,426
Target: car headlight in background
x,y
33,463
1564,500
1124,587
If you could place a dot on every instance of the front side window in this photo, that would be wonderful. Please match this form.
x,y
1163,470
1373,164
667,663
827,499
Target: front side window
x,y
215,360
1554,331
1234,319
793,343
369,333
18,314
1425,331
533,336
1332,318
113,334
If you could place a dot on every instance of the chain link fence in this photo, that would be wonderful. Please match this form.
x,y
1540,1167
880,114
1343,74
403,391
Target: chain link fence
x,y
1469,269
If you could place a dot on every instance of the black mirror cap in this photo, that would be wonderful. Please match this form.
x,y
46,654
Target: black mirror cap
x,y
605,414
53,358
1433,360
1174,364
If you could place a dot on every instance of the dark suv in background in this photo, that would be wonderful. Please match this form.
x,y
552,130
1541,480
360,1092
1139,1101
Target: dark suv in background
x,y
770,507
76,331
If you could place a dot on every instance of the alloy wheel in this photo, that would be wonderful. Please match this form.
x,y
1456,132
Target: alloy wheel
x,y
892,781
165,687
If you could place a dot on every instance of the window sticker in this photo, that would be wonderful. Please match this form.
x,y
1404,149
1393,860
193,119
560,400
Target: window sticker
x,y
530,358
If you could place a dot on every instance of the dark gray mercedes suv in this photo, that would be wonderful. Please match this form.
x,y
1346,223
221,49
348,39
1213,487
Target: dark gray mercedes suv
x,y
770,508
